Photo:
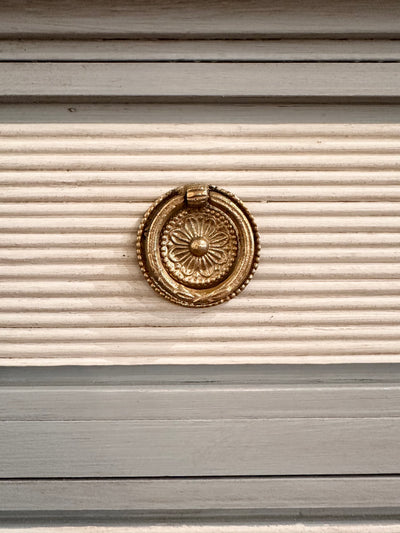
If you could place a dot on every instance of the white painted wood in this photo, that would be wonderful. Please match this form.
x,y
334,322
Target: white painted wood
x,y
186,351
156,19
290,193
194,162
248,301
325,196
194,144
363,494
30,81
200,50
270,208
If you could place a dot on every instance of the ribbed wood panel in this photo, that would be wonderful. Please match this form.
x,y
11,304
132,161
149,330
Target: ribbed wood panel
x,y
125,19
325,198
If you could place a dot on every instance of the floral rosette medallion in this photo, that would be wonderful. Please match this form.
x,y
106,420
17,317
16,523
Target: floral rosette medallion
x,y
198,246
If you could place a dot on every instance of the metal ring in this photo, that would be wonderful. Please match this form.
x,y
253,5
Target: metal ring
x,y
198,246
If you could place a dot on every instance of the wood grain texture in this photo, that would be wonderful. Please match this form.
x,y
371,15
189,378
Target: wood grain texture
x,y
142,119
30,81
363,494
200,50
148,448
157,19
325,197
194,375
131,427
196,402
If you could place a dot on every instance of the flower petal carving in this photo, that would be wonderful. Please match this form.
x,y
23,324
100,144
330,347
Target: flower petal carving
x,y
217,255
208,264
179,254
180,237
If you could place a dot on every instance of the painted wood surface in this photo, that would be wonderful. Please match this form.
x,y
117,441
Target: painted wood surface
x,y
174,421
198,402
362,494
323,183
149,81
200,50
324,195
158,19
259,447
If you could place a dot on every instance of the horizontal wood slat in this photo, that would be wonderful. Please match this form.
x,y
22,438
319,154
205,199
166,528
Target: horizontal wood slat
x,y
152,81
258,422
325,197
199,447
365,494
190,18
201,50
198,401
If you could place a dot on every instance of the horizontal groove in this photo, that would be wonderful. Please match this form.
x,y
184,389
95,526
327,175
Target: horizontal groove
x,y
193,332
269,288
219,359
164,318
117,209
79,479
235,161
363,130
282,193
161,180
221,145
124,255
223,61
376,477
112,241
143,301
175,349
265,223
276,271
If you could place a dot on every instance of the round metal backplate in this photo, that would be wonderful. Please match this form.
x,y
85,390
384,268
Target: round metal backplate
x,y
198,245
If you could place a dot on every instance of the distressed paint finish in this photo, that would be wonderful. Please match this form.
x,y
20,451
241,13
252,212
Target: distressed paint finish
x,y
324,195
200,441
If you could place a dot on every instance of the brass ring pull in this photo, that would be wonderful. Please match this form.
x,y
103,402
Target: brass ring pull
x,y
198,245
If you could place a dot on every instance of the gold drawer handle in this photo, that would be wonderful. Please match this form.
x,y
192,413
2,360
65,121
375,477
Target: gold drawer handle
x,y
198,245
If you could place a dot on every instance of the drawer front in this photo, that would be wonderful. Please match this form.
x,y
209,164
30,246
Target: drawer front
x,y
322,183
117,406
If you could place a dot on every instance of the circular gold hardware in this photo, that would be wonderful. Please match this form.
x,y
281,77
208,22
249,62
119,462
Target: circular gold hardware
x,y
198,245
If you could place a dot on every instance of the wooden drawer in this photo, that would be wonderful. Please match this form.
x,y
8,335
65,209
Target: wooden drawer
x,y
118,406
240,391
321,183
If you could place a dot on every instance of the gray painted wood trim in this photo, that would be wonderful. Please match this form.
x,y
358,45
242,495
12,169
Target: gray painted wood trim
x,y
275,114
356,494
198,402
372,82
219,420
201,50
177,375
302,446
157,19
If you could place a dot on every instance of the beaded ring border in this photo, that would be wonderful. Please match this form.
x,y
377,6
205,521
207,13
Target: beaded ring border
x,y
181,299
